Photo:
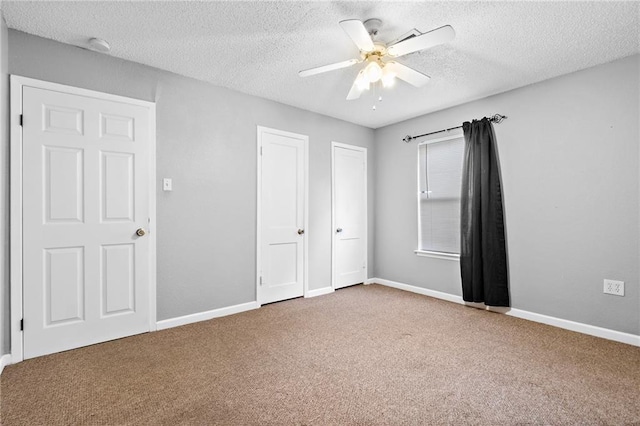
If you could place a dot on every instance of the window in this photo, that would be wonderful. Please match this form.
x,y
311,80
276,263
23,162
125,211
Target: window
x,y
439,183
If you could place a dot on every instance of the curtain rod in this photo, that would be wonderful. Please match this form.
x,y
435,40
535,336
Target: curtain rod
x,y
496,118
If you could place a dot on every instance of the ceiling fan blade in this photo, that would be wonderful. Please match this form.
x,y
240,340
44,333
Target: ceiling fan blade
x,y
358,33
355,91
424,41
407,74
325,68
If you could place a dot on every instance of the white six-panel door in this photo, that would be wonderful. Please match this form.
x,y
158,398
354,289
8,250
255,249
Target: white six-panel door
x,y
85,194
281,214
349,193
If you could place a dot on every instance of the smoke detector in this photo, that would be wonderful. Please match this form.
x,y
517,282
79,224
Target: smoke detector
x,y
99,45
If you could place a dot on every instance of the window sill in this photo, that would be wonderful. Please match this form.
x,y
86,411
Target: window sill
x,y
437,255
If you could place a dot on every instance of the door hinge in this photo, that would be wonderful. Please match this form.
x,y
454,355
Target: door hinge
x,y
260,280
21,324
21,120
260,150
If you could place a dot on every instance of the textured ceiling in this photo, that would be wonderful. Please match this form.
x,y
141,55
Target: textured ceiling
x,y
258,47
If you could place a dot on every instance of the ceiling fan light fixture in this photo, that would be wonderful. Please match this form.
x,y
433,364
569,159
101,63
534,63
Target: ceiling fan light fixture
x,y
388,78
373,72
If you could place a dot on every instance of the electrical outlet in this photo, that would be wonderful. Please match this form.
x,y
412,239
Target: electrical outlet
x,y
614,287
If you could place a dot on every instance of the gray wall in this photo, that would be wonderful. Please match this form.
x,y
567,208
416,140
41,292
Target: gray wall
x,y
570,162
206,142
4,190
569,154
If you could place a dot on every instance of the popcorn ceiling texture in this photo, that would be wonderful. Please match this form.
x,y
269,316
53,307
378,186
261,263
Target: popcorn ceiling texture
x,y
258,47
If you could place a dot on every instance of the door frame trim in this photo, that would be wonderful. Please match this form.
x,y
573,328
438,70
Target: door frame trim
x,y
17,83
305,245
335,145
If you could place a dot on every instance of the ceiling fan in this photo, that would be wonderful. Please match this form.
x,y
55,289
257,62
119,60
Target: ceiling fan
x,y
379,58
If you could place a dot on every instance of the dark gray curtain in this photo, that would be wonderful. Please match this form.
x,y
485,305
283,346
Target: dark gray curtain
x,y
483,256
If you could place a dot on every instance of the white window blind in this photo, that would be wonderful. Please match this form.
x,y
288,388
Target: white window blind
x,y
440,179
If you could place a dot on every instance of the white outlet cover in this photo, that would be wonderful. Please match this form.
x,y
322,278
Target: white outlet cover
x,y
614,287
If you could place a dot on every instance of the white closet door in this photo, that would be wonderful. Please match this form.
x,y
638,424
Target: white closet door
x,y
282,182
350,215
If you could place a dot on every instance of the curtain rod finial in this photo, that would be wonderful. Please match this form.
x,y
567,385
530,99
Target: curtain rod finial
x,y
407,139
497,118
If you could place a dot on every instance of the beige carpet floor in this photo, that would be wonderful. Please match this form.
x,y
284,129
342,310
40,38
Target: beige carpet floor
x,y
365,355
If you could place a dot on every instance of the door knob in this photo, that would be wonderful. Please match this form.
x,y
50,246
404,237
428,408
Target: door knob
x,y
300,231
141,232
339,230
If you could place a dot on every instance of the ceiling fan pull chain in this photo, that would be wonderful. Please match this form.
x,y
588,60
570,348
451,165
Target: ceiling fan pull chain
x,y
374,92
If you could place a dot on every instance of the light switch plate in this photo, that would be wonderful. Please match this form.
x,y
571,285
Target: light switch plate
x,y
167,184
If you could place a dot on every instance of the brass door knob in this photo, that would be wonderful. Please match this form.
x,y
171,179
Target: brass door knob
x,y
141,232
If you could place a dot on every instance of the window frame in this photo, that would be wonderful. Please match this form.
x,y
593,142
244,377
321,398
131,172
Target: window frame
x,y
418,251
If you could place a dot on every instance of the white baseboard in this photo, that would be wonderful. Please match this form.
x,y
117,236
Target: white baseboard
x,y
592,330
203,316
419,290
4,361
319,292
370,281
